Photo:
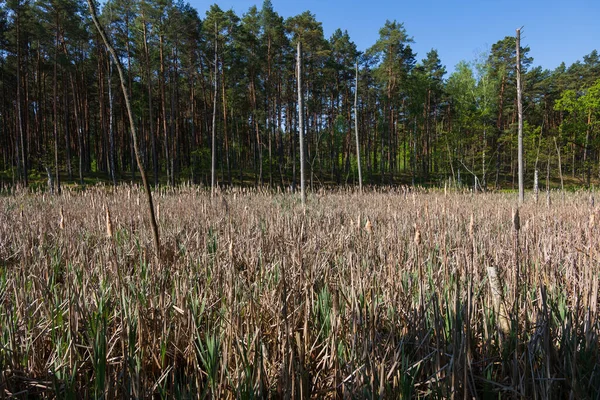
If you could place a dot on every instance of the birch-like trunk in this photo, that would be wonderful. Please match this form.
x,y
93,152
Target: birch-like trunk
x,y
356,131
301,124
520,111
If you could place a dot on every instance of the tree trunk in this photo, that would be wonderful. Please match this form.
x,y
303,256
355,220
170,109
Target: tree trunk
x,y
356,131
24,173
131,125
301,124
214,118
55,110
111,128
149,84
163,101
520,110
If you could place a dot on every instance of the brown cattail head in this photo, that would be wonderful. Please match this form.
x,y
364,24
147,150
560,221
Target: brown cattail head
x,y
369,226
472,227
592,221
417,235
109,231
516,219
61,222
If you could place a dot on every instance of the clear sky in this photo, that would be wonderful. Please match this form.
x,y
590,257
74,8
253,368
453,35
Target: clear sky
x,y
555,30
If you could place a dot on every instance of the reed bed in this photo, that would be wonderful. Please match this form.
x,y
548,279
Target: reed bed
x,y
393,293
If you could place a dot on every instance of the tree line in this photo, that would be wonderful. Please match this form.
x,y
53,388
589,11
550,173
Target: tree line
x,y
63,115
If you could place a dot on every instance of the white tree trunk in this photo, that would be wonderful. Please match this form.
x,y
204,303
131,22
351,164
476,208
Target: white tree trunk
x,y
301,123
214,120
520,110
356,130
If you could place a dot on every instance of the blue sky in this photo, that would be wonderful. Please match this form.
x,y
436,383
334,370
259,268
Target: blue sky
x,y
555,30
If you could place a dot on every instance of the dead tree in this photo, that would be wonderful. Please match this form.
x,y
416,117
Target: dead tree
x,y
131,124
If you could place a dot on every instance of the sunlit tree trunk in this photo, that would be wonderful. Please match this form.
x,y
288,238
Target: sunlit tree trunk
x,y
301,124
520,111
356,131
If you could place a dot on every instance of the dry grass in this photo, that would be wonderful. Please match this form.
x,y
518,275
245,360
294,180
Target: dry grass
x,y
385,294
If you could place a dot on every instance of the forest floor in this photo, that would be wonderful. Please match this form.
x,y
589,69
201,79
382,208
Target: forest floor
x,y
393,293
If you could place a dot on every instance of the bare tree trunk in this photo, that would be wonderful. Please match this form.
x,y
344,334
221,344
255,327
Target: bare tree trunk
x,y
149,83
55,110
562,185
586,154
301,123
356,131
66,128
111,129
214,118
520,110
19,116
163,108
76,103
131,125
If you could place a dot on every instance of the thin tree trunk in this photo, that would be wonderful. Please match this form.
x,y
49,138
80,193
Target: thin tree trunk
x,y
131,125
356,131
66,128
214,118
301,123
149,84
163,101
19,116
520,110
55,110
562,185
111,129
78,127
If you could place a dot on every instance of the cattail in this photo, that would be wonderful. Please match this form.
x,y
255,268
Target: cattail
x,y
158,212
224,204
369,226
109,231
592,221
472,227
497,297
61,222
516,219
417,238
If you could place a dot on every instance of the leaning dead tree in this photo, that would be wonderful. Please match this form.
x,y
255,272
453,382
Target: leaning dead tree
x,y
131,124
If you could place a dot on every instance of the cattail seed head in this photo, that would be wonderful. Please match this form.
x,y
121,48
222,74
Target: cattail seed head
x,y
417,238
472,227
109,230
592,221
62,219
369,226
516,219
